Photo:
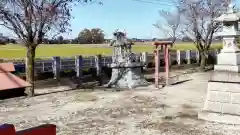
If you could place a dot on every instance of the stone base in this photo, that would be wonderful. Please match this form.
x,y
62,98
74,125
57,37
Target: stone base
x,y
220,118
228,58
228,61
127,78
230,68
126,65
225,78
222,103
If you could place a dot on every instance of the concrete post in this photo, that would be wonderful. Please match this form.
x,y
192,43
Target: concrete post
x,y
144,59
79,66
43,67
56,67
98,66
188,56
178,57
197,56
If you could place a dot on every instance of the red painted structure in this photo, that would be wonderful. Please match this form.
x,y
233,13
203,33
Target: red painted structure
x,y
165,47
48,129
9,80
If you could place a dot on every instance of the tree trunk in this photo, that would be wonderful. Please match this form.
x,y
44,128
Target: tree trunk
x,y
203,60
30,70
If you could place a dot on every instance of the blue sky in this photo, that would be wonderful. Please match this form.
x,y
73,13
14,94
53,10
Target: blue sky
x,y
137,18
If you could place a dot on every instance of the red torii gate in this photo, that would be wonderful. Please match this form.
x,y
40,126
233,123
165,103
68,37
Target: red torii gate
x,y
164,46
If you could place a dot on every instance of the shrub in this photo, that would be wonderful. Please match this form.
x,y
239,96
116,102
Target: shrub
x,y
162,63
150,65
211,59
184,61
174,62
194,60
107,71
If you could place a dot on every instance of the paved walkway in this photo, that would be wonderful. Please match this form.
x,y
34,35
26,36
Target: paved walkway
x,y
146,111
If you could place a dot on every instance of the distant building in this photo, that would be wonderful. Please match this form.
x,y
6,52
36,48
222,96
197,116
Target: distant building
x,y
107,41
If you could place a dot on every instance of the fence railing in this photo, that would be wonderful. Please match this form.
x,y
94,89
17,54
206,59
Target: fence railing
x,y
58,64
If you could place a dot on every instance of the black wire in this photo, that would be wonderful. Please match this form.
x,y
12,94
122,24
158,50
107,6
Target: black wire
x,y
158,3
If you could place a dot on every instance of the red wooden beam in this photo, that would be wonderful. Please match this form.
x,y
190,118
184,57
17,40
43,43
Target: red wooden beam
x,y
48,129
7,129
157,43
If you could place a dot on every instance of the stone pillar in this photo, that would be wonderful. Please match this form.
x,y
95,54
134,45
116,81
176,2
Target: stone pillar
x,y
178,57
98,67
43,67
197,56
144,59
188,56
56,67
79,66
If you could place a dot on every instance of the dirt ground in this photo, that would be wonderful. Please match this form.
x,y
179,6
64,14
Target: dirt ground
x,y
145,111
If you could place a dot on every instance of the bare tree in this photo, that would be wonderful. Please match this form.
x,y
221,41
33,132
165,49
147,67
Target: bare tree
x,y
32,20
172,23
198,22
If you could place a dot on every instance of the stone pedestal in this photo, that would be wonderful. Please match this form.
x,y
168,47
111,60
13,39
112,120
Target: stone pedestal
x,y
127,76
228,61
229,58
222,102
223,98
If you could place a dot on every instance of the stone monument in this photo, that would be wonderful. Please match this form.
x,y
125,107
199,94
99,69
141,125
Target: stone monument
x,y
222,102
126,70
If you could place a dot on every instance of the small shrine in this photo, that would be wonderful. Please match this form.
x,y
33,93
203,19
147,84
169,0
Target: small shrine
x,y
126,69
222,103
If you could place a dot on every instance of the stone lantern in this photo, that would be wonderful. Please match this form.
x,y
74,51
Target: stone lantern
x,y
222,103
230,31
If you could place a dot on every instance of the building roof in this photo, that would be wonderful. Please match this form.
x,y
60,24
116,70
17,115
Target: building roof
x,y
9,80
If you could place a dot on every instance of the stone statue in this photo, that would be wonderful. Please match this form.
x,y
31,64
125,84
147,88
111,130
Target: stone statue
x,y
122,49
126,72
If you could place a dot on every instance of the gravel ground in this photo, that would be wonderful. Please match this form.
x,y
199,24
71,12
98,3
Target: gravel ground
x,y
145,111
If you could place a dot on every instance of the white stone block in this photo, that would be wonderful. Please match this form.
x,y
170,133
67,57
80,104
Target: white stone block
x,y
218,117
228,108
224,87
238,111
216,96
178,57
235,98
229,68
213,106
228,59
